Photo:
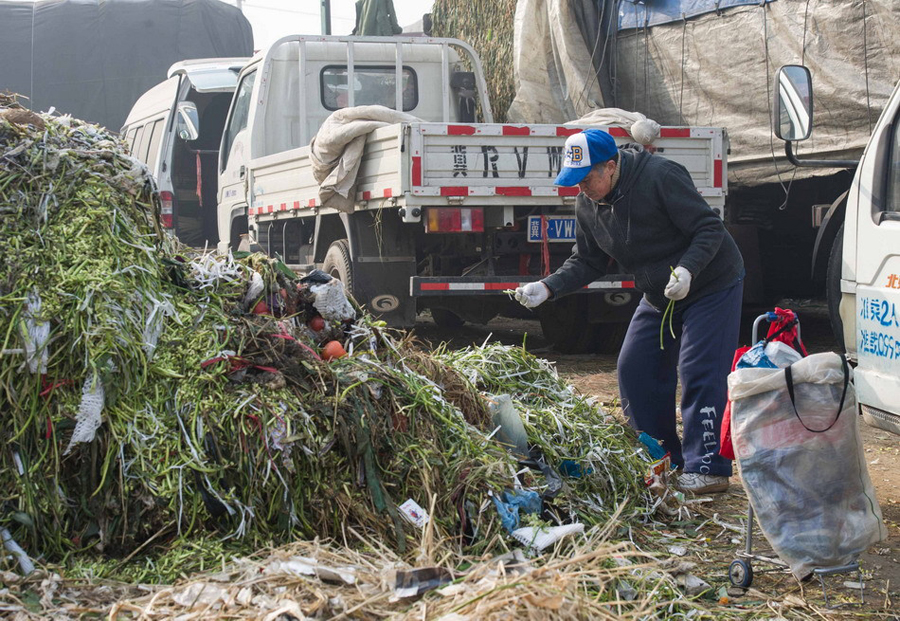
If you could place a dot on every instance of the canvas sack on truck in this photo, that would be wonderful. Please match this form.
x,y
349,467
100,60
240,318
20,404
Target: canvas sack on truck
x,y
800,454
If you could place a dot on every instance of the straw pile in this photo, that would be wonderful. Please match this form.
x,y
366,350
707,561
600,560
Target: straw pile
x,y
594,579
488,27
164,410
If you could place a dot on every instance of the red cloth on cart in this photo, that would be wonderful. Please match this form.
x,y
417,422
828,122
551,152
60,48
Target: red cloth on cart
x,y
784,329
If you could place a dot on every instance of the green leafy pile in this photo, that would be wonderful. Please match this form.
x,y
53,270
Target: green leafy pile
x,y
152,397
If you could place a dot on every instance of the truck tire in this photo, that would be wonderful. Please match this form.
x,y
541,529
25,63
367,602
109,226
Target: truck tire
x,y
337,263
833,289
608,337
446,319
564,326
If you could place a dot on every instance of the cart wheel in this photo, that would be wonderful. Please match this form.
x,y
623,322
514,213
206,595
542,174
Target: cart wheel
x,y
740,573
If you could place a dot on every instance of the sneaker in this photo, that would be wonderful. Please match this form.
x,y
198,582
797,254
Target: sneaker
x,y
697,483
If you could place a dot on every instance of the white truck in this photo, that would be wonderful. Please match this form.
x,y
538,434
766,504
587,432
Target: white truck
x,y
867,264
449,212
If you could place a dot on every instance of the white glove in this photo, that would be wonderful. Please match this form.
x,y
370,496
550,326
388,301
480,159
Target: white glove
x,y
679,284
533,294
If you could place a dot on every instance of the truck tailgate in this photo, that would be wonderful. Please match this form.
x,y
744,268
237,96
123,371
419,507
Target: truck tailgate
x,y
492,162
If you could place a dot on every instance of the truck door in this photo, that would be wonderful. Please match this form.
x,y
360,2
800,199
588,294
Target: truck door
x,y
234,171
878,273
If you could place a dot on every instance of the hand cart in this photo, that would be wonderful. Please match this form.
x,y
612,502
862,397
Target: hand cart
x,y
740,572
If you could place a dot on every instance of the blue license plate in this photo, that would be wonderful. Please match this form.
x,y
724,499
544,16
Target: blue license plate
x,y
559,228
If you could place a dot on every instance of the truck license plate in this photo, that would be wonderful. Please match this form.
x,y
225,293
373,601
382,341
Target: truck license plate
x,y
559,228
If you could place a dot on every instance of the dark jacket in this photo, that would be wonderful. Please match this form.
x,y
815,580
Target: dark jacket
x,y
653,220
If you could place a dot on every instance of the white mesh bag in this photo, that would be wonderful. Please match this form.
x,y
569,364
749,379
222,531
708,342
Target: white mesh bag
x,y
801,459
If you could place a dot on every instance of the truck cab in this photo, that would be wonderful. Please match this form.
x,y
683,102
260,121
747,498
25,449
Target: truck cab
x,y
275,111
866,264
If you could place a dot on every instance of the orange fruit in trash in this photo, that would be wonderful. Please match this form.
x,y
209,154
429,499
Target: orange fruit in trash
x,y
333,350
316,324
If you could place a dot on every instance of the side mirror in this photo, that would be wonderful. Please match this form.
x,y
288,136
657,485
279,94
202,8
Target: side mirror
x,y
188,120
792,118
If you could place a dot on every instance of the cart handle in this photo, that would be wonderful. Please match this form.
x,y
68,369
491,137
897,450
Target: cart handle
x,y
771,317
789,380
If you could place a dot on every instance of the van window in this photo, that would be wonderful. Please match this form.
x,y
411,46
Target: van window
x,y
371,85
239,114
153,144
137,148
893,174
129,138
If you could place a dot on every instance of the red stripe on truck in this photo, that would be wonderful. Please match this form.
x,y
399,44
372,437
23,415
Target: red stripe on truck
x,y
564,191
500,286
311,203
282,207
451,191
675,132
388,193
460,130
514,191
567,131
296,204
367,196
717,173
435,286
511,130
417,170
618,132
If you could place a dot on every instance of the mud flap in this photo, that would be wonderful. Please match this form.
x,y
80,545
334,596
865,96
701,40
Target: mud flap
x,y
383,289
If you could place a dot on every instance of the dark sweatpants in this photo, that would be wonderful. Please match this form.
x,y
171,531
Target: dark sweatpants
x,y
707,335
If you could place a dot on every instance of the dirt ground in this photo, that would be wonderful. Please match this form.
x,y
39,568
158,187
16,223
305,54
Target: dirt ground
x,y
714,536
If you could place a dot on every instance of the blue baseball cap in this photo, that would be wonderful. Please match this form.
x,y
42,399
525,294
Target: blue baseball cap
x,y
583,150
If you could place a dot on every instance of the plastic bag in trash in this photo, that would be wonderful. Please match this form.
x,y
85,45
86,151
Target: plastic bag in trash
x,y
801,459
512,502
772,355
510,428
331,301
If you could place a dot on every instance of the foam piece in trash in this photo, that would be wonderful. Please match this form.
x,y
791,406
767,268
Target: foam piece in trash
x,y
331,301
540,538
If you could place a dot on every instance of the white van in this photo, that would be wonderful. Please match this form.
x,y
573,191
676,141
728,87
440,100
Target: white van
x,y
175,128
865,262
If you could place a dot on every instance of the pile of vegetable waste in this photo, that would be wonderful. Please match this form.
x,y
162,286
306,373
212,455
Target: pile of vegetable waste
x,y
151,396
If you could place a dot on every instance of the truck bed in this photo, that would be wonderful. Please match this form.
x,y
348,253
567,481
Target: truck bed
x,y
479,165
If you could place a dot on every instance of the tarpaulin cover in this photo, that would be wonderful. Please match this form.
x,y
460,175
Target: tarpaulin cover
x,y
94,58
717,70
555,80
641,13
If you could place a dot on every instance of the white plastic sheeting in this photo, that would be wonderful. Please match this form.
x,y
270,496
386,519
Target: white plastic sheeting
x,y
717,70
88,419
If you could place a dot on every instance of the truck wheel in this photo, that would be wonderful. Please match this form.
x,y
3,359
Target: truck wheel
x,y
564,326
337,263
446,319
608,337
833,288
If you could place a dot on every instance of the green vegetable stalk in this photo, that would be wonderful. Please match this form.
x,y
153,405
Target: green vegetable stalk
x,y
669,312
